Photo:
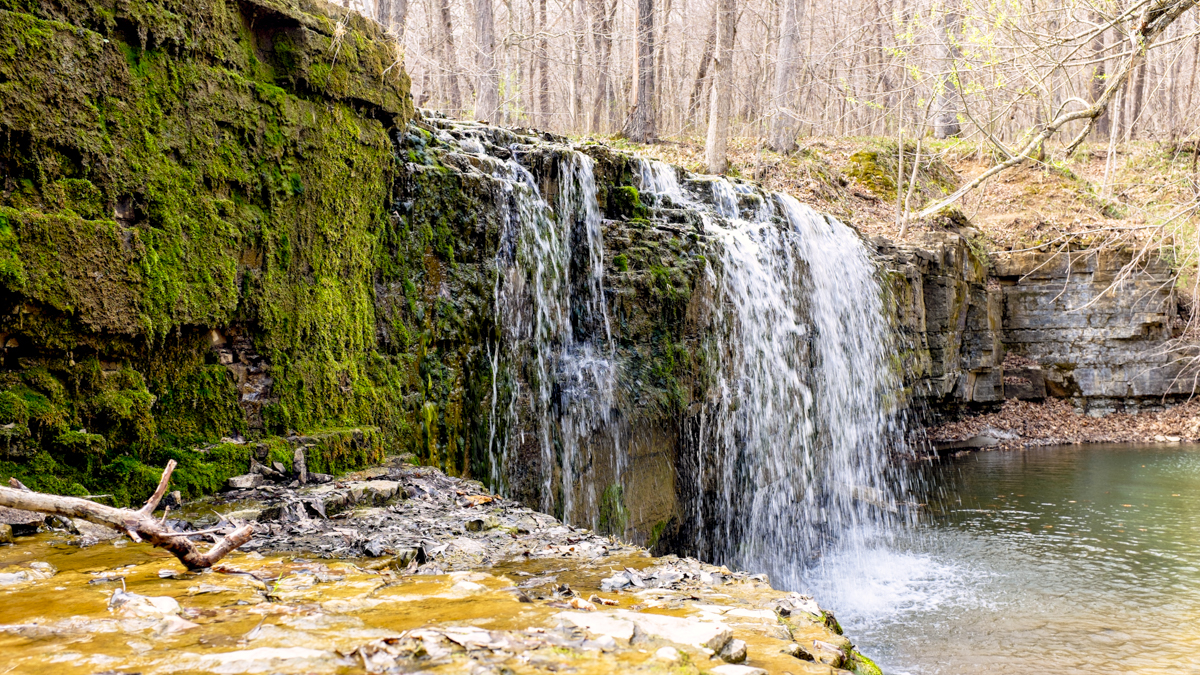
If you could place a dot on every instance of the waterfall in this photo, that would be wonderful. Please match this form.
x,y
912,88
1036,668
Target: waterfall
x,y
553,317
789,446
792,447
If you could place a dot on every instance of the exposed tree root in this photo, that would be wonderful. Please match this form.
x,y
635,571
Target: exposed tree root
x,y
139,525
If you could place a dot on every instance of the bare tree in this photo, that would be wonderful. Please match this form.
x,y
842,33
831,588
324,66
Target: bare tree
x,y
783,119
1096,89
946,121
449,57
997,73
1154,19
487,91
695,106
602,30
543,67
642,123
715,146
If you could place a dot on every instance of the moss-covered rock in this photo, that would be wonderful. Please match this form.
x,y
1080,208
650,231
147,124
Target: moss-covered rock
x,y
172,169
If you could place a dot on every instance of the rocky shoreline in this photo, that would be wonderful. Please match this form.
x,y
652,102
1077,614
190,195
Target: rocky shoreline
x,y
1022,424
505,589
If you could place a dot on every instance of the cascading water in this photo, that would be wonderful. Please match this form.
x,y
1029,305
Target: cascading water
x,y
790,445
793,444
553,317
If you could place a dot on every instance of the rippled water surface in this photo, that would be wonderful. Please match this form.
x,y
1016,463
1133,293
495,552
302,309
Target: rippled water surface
x,y
1080,559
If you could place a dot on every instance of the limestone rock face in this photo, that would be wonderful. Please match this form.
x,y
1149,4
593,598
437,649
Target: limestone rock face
x,y
1033,324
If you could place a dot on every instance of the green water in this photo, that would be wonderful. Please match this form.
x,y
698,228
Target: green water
x,y
1080,559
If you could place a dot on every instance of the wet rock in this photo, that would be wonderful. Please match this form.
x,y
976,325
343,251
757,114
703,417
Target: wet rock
x,y
23,523
172,625
91,534
266,472
615,583
734,651
701,634
172,500
797,651
599,624
668,654
142,607
6,533
376,548
35,571
730,669
245,482
263,660
824,652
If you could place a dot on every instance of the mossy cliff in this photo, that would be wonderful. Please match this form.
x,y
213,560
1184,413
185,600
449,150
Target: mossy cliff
x,y
194,204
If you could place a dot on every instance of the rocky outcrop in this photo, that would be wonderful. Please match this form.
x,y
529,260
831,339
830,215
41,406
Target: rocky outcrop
x,y
193,196
1099,327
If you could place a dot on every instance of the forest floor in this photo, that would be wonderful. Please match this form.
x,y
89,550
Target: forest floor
x,y
1031,205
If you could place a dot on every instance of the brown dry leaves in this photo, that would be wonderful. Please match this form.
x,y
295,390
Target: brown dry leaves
x,y
1055,422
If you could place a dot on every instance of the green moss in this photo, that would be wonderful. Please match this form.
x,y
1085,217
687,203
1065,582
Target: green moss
x,y
861,665
191,171
613,516
12,269
621,262
866,168
623,203
656,533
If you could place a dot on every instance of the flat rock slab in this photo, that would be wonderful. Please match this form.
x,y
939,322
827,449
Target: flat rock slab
x,y
599,623
20,523
731,669
700,634
18,517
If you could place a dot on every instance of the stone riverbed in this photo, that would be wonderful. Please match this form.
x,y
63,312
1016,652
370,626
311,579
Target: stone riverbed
x,y
397,569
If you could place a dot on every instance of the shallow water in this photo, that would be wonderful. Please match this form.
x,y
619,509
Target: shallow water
x,y
1079,559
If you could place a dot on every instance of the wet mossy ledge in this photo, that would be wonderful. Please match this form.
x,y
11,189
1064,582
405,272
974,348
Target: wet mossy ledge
x,y
193,212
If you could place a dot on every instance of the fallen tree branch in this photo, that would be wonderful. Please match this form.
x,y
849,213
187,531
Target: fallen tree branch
x,y
139,525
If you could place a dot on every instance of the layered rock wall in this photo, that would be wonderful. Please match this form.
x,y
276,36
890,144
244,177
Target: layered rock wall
x,y
1099,327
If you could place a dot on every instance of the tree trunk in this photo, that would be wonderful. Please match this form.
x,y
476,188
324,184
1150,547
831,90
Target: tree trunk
x,y
695,106
945,123
449,60
718,119
783,123
487,91
543,67
392,14
659,59
640,127
577,22
1099,80
1136,99
602,38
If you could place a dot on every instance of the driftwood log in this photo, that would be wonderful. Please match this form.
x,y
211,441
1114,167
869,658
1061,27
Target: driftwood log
x,y
139,525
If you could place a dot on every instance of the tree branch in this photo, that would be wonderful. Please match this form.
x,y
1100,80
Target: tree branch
x,y
1155,19
139,525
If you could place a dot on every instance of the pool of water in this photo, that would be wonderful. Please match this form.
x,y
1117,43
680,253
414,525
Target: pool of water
x,y
1079,559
